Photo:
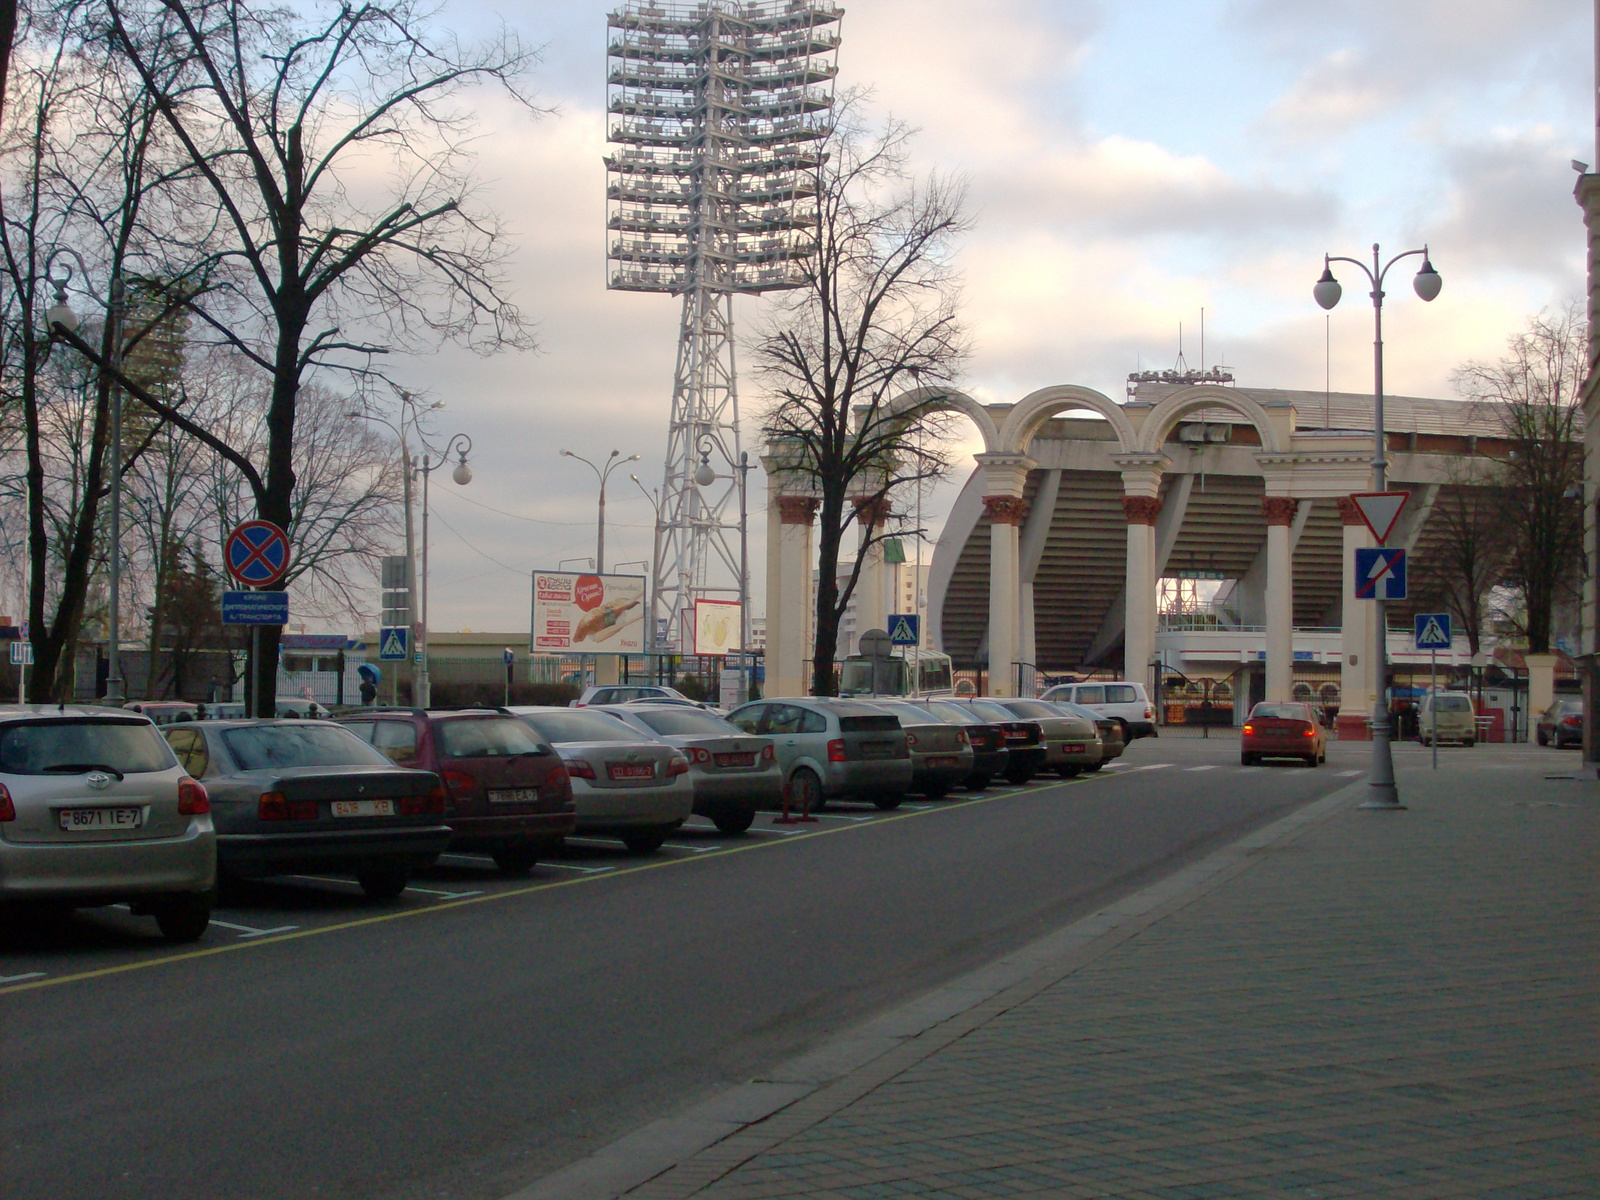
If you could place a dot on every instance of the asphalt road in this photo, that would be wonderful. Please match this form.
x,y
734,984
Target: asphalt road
x,y
474,1036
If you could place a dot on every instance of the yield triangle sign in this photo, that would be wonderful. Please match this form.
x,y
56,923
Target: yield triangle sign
x,y
1380,510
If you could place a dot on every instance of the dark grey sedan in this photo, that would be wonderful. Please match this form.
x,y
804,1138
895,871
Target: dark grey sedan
x,y
292,796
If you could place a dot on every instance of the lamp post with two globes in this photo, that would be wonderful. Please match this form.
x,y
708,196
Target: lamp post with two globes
x,y
1426,284
460,445
602,472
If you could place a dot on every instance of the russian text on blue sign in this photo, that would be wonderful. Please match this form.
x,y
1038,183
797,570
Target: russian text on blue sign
x,y
1433,631
393,642
255,608
905,630
1380,573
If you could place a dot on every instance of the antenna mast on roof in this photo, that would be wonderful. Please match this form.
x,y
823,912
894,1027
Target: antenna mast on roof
x,y
1182,374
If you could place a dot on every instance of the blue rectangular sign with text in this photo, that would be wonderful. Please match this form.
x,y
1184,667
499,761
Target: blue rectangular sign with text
x,y
255,608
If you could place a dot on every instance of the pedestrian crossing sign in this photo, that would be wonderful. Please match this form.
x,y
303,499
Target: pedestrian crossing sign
x,y
905,630
1433,631
392,643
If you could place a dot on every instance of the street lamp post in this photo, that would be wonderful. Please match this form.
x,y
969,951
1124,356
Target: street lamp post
x,y
1383,794
61,314
651,644
704,476
461,446
602,473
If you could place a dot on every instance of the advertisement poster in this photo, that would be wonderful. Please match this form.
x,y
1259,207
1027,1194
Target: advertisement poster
x,y
716,627
588,614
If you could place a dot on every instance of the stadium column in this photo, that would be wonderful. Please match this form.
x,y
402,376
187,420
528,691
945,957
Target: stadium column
x,y
872,609
1005,478
1141,505
1279,513
1355,636
790,594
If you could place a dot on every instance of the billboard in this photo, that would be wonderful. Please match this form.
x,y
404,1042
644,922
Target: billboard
x,y
584,613
716,627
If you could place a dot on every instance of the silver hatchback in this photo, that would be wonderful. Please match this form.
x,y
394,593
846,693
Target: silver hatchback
x,y
828,748
733,773
94,809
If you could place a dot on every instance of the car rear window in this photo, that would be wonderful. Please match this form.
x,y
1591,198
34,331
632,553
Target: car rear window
x,y
1453,704
1031,709
954,714
1120,693
65,746
995,712
1283,712
909,714
688,723
869,723
484,737
278,747
581,725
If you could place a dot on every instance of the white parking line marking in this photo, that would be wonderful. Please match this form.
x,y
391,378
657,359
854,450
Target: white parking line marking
x,y
574,867
248,931
1117,766
411,887
1349,774
694,849
930,806
827,816
1207,767
1156,766
20,978
776,832
476,860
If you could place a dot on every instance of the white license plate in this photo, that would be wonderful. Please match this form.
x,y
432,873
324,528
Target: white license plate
x,y
941,762
362,808
1080,747
101,818
514,796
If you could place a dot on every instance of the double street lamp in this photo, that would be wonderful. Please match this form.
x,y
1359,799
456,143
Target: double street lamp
x,y
1327,291
602,472
705,476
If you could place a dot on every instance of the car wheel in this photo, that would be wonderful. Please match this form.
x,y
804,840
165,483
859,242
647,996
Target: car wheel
x,y
516,860
644,841
733,821
1543,741
1311,760
805,792
1019,777
1068,772
936,791
1247,760
1127,736
184,917
382,883
975,783
1470,743
887,800
1093,767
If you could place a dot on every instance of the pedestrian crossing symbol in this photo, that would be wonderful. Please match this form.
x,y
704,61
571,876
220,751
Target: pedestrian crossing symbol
x,y
905,630
1433,631
392,643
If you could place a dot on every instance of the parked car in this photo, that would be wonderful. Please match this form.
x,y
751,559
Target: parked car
x,y
1283,730
507,793
621,693
986,736
733,773
625,783
292,796
164,712
1561,723
1457,719
1025,749
94,810
1071,743
1108,729
833,749
299,706
1123,702
941,755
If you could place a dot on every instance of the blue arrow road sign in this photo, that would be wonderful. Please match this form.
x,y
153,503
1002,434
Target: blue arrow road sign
x,y
255,608
1433,631
393,641
1380,573
905,630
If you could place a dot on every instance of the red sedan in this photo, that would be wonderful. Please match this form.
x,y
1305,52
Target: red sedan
x,y
1283,731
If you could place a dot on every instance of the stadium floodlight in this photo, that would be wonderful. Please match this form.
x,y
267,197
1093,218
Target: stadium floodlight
x,y
717,113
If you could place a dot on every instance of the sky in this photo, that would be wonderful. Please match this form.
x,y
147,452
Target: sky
x,y
1131,162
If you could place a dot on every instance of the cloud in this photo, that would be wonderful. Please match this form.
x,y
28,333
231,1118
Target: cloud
x,y
1333,95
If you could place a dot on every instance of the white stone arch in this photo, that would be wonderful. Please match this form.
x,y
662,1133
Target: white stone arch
x,y
1034,409
953,401
1173,408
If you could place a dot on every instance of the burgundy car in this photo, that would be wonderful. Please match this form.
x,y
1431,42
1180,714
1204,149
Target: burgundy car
x,y
507,791
1283,730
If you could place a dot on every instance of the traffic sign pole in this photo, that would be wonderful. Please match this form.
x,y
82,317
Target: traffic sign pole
x,y
1433,708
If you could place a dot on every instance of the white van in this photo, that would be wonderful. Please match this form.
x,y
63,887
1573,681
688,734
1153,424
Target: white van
x,y
1455,715
1126,703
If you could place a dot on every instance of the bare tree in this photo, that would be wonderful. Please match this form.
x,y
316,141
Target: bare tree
x,y
1467,554
877,317
320,258
1534,390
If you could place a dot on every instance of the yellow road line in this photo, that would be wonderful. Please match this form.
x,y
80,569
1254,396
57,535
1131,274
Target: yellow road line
x,y
490,897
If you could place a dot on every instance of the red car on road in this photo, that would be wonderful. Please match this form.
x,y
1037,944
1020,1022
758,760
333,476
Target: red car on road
x,y
1283,730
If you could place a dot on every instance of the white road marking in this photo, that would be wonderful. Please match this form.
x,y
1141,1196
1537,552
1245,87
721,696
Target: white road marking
x,y
1348,774
560,866
1154,766
691,849
476,860
1207,767
776,832
20,978
828,816
411,887
325,879
924,805
1117,766
249,931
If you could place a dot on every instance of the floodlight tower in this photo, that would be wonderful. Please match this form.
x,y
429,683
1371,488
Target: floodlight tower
x,y
718,110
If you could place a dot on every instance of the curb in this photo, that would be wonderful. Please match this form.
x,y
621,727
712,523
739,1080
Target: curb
x,y
812,1086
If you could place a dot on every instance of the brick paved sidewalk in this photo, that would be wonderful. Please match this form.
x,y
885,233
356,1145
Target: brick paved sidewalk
x,y
1388,1004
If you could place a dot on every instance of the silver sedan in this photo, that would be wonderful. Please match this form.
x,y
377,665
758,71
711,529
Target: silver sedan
x,y
625,783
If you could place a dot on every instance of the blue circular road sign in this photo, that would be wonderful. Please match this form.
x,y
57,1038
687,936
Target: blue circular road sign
x,y
257,553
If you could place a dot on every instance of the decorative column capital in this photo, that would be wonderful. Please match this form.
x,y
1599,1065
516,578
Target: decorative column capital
x,y
1005,474
796,510
1349,513
1141,510
1005,510
871,510
1279,510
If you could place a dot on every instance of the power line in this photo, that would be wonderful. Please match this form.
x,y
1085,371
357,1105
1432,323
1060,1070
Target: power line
x,y
535,520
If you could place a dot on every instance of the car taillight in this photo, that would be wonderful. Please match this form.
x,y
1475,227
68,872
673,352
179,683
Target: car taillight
x,y
679,765
1309,731
961,737
438,801
458,782
579,769
699,754
192,799
911,738
836,750
272,806
769,753
1149,713
1252,728
8,810
1569,721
